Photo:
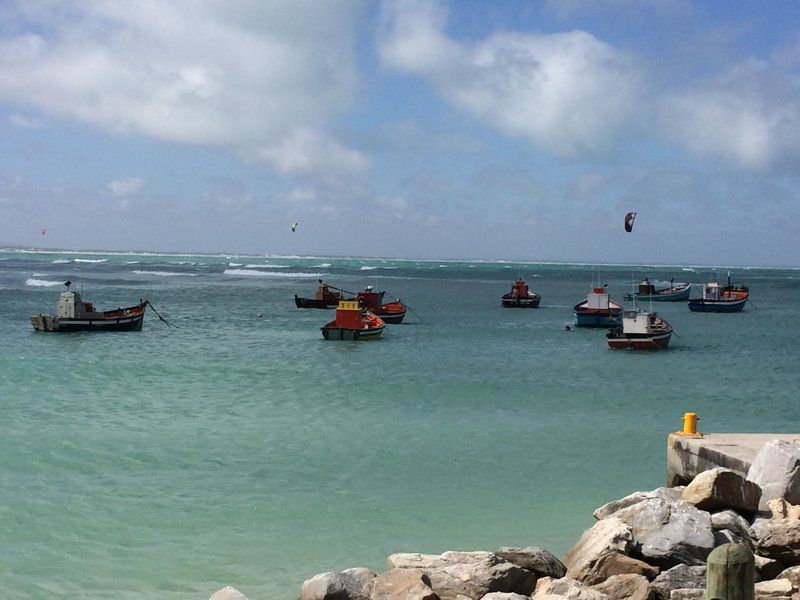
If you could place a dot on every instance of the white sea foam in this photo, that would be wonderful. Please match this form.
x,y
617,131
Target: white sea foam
x,y
42,283
91,260
39,274
265,266
367,268
132,262
161,273
323,265
231,264
254,273
61,261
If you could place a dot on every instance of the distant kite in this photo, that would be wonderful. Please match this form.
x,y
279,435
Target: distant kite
x,y
294,226
44,230
629,218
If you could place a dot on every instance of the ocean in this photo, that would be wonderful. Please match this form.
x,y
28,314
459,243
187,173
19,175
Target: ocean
x,y
242,450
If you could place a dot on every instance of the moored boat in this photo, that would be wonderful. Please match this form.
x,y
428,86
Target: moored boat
x,y
673,293
75,314
353,322
326,297
721,298
640,330
390,312
521,296
598,310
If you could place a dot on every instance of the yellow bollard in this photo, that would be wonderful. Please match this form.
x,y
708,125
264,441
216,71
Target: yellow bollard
x,y
690,423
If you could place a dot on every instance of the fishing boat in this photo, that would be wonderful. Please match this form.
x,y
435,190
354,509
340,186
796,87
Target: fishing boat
x,y
75,314
353,322
326,297
640,330
521,296
598,310
390,312
673,293
720,298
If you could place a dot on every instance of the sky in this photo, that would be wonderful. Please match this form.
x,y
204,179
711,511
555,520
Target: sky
x,y
520,130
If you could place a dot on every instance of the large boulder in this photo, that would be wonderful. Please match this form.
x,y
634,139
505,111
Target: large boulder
x,y
565,588
672,494
677,578
605,537
625,587
227,593
776,469
777,588
615,563
688,594
720,489
781,509
766,568
350,584
778,539
538,560
504,596
792,574
470,574
733,523
402,584
686,538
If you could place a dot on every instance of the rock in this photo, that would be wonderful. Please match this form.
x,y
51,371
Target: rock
x,y
402,584
615,563
732,522
565,588
766,568
720,489
538,560
686,538
774,589
504,596
470,574
781,509
350,584
792,574
668,494
625,587
676,578
776,469
227,593
604,537
778,539
688,594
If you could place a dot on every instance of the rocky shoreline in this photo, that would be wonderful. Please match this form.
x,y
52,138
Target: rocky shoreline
x,y
646,546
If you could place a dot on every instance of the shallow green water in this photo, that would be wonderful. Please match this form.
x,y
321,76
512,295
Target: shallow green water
x,y
249,451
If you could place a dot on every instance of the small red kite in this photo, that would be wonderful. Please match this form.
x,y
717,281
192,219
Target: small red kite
x,y
629,221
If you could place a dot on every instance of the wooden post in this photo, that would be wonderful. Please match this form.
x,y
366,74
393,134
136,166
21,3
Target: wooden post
x,y
731,573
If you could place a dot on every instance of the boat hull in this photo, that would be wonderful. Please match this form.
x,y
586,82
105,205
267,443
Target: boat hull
x,y
640,342
717,306
314,303
521,302
664,296
62,325
391,317
344,333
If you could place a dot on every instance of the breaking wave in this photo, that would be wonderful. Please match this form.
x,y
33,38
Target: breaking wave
x,y
161,273
42,283
367,268
254,273
91,260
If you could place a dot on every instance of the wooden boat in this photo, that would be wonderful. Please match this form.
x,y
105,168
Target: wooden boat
x,y
353,322
640,330
521,296
75,314
391,312
720,298
598,310
324,298
648,291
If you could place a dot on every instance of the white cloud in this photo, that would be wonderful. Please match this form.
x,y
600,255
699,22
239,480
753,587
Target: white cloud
x,y
750,115
195,71
569,92
24,122
125,187
308,151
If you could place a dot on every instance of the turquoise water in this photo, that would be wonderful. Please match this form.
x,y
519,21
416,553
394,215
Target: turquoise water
x,y
249,451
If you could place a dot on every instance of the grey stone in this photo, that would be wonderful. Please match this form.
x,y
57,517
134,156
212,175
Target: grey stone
x,y
720,488
776,469
615,563
538,560
778,539
774,589
676,578
766,568
470,574
565,588
686,538
227,593
688,594
733,522
504,596
604,537
792,574
350,584
664,493
402,584
625,587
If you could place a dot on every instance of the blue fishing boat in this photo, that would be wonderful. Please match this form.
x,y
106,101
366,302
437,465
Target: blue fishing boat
x,y
598,310
721,298
674,293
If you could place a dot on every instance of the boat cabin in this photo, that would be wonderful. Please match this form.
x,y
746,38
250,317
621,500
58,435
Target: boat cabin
x,y
634,321
370,298
324,293
712,291
646,288
348,314
519,289
71,306
597,299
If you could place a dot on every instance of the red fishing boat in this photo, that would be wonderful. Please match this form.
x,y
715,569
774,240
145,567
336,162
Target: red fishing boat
x,y
521,296
75,314
640,330
353,322
391,312
325,297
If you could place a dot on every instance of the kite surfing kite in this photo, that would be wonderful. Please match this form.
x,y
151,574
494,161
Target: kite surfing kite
x,y
44,230
629,218
294,226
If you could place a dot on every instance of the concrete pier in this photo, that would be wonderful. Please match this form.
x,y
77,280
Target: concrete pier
x,y
688,455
